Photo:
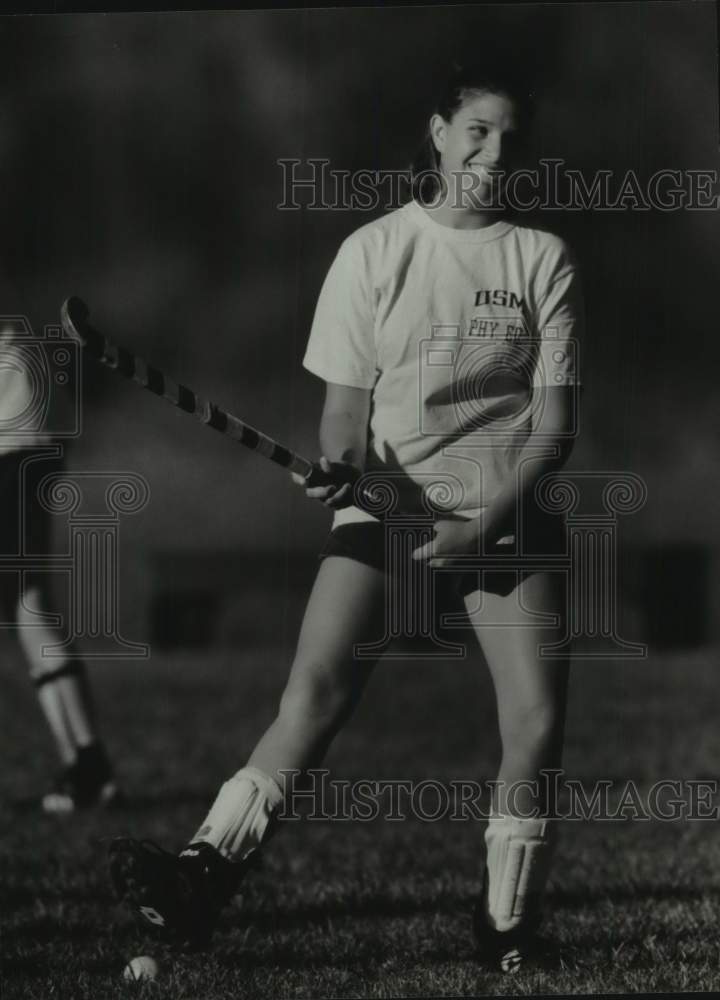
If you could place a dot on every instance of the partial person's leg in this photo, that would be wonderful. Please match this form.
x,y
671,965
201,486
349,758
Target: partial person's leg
x,y
326,680
64,695
62,686
531,694
183,896
61,682
531,690
325,684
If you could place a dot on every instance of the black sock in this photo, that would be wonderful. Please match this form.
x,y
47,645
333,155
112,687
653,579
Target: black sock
x,y
93,761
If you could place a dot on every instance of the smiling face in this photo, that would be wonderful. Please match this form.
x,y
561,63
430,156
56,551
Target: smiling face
x,y
476,147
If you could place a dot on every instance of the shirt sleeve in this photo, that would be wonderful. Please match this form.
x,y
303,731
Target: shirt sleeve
x,y
341,346
560,325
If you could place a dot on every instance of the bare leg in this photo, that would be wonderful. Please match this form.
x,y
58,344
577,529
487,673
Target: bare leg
x,y
531,691
62,685
65,699
531,696
326,681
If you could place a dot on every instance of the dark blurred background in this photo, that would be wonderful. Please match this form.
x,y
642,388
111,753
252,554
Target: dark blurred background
x,y
139,170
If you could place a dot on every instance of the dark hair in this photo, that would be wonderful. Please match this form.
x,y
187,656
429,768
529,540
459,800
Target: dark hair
x,y
464,80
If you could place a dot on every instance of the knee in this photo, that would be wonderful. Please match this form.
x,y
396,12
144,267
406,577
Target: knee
x,y
533,729
28,605
314,697
25,614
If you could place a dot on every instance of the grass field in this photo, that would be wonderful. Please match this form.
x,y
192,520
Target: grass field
x,y
376,909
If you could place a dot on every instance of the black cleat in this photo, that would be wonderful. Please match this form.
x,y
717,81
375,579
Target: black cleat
x,y
177,897
87,783
506,951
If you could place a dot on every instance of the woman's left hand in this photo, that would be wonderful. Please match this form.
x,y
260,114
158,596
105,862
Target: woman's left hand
x,y
452,538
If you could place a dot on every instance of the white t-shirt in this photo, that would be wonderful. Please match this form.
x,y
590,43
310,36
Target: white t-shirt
x,y
451,329
24,398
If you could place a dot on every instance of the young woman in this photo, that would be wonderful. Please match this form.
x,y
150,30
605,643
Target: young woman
x,y
444,333
86,776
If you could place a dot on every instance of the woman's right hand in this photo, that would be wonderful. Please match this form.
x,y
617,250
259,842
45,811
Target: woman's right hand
x,y
333,495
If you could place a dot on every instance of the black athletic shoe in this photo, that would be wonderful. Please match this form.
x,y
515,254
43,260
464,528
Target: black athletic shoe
x,y
177,897
506,951
89,782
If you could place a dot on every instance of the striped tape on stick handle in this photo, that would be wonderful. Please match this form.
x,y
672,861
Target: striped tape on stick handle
x,y
75,320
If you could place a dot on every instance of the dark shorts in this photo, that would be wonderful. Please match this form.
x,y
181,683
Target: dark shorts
x,y
542,535
25,525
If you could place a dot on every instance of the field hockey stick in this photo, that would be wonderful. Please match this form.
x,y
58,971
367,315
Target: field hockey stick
x,y
75,314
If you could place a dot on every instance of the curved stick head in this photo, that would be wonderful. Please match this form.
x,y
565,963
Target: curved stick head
x,y
74,315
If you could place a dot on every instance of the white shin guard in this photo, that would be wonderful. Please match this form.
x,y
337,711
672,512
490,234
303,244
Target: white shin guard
x,y
519,853
239,817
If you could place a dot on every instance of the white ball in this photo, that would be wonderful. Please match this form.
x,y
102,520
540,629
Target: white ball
x,y
141,968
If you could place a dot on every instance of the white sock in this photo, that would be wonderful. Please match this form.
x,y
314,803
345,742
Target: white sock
x,y
240,814
519,852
